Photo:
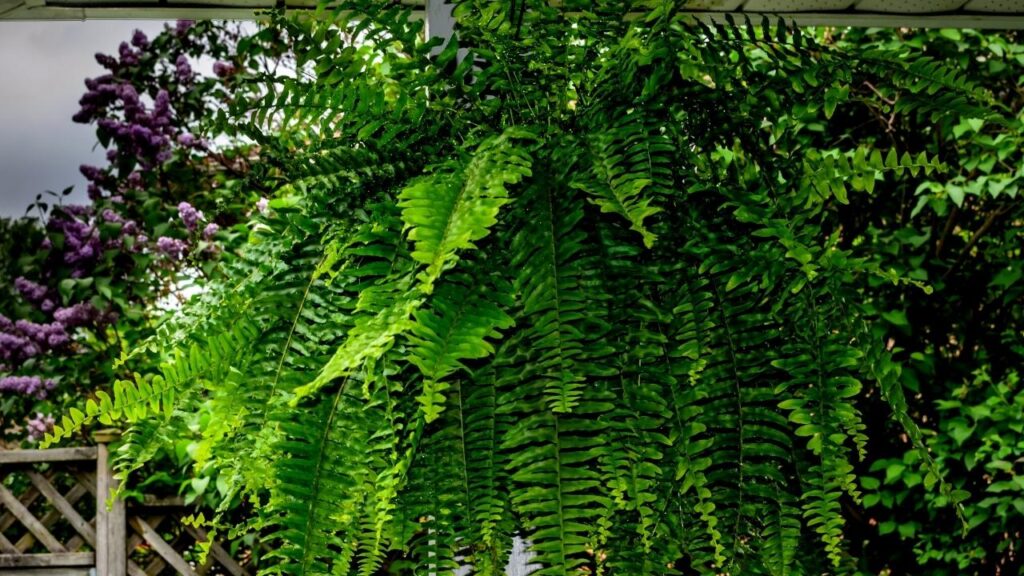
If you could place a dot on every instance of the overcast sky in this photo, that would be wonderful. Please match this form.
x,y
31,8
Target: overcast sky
x,y
42,67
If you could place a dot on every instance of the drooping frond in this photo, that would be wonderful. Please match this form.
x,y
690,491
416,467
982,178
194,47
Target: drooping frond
x,y
448,211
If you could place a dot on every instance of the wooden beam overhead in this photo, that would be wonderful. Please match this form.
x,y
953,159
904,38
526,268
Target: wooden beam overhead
x,y
988,14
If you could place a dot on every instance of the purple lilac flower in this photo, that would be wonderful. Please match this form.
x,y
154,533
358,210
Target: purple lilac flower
x,y
262,205
81,239
142,134
211,230
128,56
76,315
39,426
182,69
112,217
107,61
187,140
94,174
223,69
30,290
171,247
46,244
27,385
5,323
47,305
189,215
12,347
139,40
183,26
51,335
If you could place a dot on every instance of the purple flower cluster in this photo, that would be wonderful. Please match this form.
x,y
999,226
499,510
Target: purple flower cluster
x,y
112,217
183,70
31,291
27,385
76,315
172,247
182,27
39,426
98,179
139,40
223,69
144,133
81,237
210,231
128,56
189,215
15,348
44,336
24,339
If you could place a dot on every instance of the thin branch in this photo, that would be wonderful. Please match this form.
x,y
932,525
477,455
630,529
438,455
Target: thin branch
x,y
990,219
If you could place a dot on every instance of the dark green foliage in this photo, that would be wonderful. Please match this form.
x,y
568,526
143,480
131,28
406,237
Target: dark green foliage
x,y
593,283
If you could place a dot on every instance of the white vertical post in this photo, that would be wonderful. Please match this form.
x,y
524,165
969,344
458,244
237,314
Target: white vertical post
x,y
440,22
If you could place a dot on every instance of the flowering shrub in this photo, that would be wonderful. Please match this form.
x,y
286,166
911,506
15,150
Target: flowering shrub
x,y
86,280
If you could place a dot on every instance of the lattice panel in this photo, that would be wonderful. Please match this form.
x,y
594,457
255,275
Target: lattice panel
x,y
49,515
50,524
160,544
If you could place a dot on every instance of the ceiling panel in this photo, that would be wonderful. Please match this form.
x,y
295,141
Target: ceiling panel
x,y
796,5
990,14
1006,6
909,6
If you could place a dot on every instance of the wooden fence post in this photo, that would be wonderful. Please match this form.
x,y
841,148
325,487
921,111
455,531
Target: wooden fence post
x,y
111,552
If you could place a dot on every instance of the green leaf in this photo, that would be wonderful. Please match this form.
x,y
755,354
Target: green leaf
x,y
449,211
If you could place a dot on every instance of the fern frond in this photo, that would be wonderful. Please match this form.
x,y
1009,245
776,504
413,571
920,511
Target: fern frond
x,y
560,326
631,167
455,326
447,212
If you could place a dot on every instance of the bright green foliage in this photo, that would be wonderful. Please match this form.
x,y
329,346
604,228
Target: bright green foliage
x,y
593,283
448,212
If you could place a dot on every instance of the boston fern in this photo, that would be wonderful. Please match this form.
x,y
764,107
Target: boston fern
x,y
577,277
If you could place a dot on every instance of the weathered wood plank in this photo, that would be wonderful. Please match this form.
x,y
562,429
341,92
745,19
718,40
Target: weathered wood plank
x,y
87,480
134,570
134,540
52,455
6,547
29,521
217,552
50,518
44,560
161,547
64,507
156,565
111,552
52,571
26,499
73,496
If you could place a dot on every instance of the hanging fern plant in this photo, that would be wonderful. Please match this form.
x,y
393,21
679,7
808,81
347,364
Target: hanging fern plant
x,y
576,277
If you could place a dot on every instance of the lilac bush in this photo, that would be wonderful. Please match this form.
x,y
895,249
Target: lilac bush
x,y
88,288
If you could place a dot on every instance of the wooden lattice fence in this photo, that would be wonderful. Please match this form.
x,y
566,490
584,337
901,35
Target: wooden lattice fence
x,y
55,521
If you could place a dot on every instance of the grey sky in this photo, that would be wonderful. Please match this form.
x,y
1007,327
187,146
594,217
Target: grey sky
x,y
42,66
